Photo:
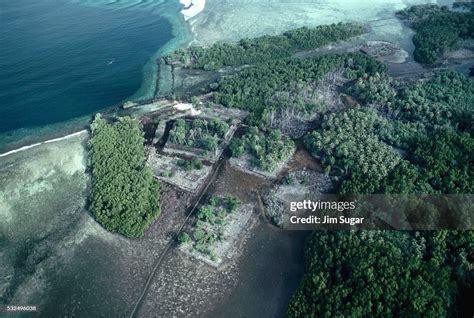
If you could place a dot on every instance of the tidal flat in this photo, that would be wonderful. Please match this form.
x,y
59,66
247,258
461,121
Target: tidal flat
x,y
52,252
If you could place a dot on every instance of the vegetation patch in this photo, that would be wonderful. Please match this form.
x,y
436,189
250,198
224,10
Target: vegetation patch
x,y
218,225
378,89
266,151
444,100
198,133
383,274
383,149
438,30
349,141
261,49
411,139
189,164
276,85
125,196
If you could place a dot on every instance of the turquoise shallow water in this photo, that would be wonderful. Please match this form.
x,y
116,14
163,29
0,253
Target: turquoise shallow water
x,y
63,60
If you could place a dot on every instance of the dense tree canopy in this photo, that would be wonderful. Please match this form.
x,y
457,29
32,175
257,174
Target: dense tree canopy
x,y
414,139
445,99
383,274
309,38
284,83
267,149
349,140
377,89
199,133
446,160
125,196
261,49
437,30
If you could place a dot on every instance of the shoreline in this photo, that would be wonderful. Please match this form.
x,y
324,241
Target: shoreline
x,y
28,138
42,143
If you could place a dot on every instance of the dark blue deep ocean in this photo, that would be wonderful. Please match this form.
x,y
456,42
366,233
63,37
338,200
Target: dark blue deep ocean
x,y
61,59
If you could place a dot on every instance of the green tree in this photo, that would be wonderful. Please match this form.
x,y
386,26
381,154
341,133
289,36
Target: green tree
x,y
125,197
377,273
264,48
437,30
184,238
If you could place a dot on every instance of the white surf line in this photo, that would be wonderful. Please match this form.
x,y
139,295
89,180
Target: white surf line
x,y
41,143
66,137
192,8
